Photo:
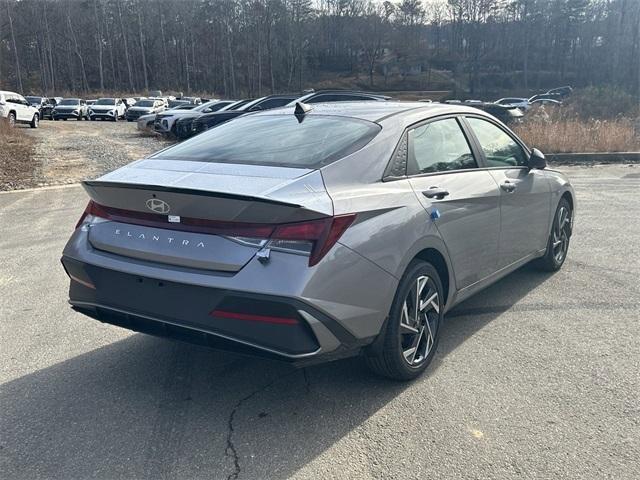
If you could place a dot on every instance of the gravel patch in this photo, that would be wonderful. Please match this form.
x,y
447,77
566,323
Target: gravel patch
x,y
72,151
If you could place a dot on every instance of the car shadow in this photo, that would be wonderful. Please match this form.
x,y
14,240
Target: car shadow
x,y
150,408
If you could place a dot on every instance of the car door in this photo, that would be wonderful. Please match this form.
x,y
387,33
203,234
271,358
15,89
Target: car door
x,y
25,109
524,194
16,104
462,199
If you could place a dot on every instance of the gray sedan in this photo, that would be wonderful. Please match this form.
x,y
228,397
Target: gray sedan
x,y
311,233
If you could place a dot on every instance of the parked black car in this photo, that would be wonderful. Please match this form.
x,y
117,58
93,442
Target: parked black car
x,y
45,105
209,120
37,102
183,127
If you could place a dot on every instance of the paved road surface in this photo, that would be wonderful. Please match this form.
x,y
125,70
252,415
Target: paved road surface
x,y
538,377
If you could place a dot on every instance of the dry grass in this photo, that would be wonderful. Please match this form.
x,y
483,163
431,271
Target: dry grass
x,y
564,135
17,164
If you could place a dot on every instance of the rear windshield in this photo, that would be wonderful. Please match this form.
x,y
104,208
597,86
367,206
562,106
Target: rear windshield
x,y
277,140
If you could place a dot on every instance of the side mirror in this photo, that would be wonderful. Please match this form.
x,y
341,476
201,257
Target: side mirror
x,y
537,160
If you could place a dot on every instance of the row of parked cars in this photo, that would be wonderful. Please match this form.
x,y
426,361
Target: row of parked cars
x,y
553,97
185,121
31,109
184,117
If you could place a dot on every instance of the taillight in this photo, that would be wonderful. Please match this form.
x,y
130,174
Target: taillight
x,y
315,237
92,209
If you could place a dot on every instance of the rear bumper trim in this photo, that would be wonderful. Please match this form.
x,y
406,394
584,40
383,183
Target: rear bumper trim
x,y
83,305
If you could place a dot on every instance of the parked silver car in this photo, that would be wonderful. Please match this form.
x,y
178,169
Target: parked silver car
x,y
145,106
312,233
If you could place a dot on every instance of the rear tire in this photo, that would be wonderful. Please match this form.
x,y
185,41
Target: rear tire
x,y
559,237
35,121
11,118
410,337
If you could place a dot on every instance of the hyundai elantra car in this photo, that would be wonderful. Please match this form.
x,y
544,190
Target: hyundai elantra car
x,y
310,233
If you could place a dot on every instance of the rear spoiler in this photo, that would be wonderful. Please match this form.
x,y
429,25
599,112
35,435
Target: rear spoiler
x,y
203,204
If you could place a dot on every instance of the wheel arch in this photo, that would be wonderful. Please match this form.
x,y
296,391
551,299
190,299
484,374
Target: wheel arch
x,y
437,259
433,250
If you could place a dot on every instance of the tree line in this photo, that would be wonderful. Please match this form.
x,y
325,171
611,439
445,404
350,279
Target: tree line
x,y
254,47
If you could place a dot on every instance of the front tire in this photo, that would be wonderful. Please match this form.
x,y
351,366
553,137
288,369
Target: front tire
x,y
11,118
35,121
412,331
558,243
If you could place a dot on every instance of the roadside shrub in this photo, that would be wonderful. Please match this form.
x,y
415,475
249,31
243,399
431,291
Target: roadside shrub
x,y
601,103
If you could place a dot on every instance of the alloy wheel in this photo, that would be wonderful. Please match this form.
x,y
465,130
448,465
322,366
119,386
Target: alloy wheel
x,y
561,233
419,321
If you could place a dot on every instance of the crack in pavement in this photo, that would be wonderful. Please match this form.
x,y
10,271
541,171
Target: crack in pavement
x,y
230,450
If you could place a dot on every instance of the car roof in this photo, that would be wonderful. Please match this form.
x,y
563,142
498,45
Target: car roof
x,y
377,112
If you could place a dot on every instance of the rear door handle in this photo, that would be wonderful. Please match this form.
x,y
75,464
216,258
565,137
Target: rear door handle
x,y
435,192
508,187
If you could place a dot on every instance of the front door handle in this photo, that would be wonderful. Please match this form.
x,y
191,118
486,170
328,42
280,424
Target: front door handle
x,y
435,192
508,187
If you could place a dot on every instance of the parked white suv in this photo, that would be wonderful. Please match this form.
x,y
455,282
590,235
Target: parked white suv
x,y
16,109
107,108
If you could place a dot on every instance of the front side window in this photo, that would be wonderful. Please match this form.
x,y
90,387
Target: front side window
x,y
500,150
277,140
439,146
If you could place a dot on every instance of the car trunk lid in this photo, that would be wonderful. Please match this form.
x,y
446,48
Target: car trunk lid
x,y
191,214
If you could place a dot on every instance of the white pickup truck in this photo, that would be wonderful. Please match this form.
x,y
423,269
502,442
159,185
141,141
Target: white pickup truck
x,y
16,109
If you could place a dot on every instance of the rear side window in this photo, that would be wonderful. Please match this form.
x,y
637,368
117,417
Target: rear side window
x,y
277,140
500,150
439,146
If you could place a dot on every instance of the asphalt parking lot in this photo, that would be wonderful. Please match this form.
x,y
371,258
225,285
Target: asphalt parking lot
x,y
537,377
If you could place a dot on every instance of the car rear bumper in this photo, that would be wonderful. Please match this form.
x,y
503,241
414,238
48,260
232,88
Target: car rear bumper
x,y
268,325
283,310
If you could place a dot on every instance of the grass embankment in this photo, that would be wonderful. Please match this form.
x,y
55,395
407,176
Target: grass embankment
x,y
591,120
563,135
17,163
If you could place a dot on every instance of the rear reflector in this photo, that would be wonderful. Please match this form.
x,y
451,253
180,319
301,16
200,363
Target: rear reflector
x,y
250,317
315,237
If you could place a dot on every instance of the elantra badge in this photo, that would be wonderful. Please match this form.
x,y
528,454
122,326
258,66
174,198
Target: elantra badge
x,y
158,206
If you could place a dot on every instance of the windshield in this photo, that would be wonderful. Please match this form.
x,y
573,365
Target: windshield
x,y
145,103
69,101
105,101
277,140
34,99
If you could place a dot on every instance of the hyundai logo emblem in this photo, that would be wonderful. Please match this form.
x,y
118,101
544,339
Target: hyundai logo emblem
x,y
158,206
